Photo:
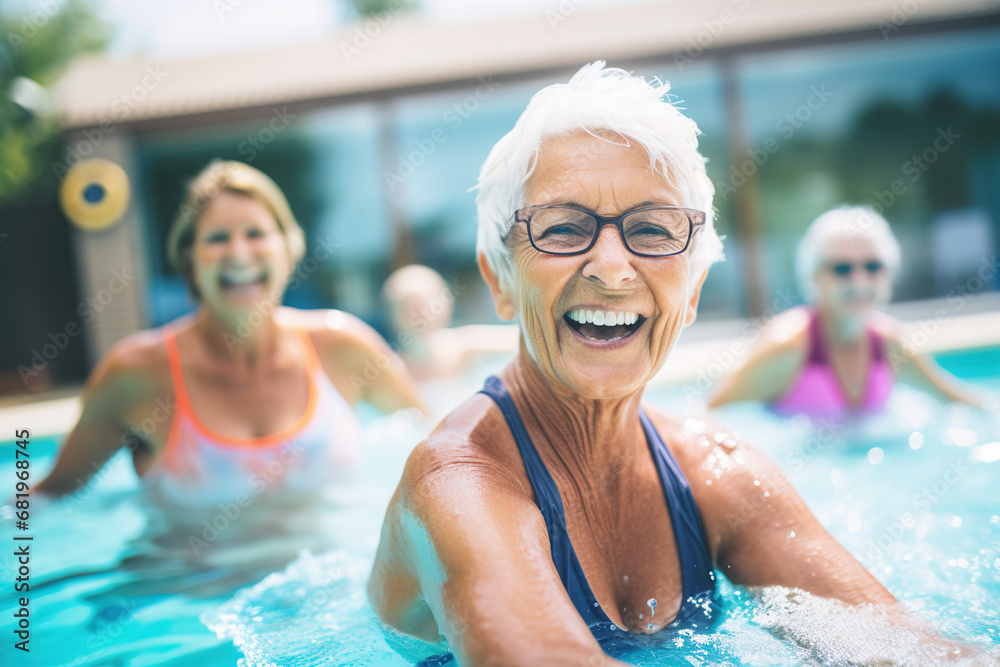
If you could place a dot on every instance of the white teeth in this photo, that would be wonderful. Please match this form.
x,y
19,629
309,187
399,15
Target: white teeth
x,y
242,276
602,318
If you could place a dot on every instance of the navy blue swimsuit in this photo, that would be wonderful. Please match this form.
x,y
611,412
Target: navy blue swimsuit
x,y
697,572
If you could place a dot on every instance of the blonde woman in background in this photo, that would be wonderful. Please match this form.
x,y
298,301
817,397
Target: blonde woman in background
x,y
244,397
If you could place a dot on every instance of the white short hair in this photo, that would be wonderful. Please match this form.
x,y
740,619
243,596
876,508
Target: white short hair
x,y
595,99
851,222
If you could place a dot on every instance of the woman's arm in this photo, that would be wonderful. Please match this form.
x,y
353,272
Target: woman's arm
x,y
372,370
464,555
763,534
117,384
771,366
923,372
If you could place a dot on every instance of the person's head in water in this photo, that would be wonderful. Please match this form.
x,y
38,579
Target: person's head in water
x,y
846,261
418,299
235,240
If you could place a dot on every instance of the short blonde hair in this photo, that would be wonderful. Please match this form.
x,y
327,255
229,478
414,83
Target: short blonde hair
x,y
239,178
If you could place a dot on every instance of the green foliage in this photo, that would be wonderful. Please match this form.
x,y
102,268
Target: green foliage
x,y
365,8
38,44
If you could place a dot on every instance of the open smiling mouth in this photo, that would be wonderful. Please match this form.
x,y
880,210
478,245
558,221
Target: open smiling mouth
x,y
603,326
242,278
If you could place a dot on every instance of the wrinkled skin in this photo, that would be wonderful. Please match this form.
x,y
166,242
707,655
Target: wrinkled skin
x,y
464,552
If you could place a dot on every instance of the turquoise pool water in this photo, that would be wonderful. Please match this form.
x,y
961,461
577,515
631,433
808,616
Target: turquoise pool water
x,y
913,493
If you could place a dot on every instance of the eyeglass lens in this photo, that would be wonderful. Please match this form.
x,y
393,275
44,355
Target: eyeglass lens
x,y
655,232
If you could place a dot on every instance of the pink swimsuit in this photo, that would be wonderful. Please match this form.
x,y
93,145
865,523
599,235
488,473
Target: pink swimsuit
x,y
817,390
202,468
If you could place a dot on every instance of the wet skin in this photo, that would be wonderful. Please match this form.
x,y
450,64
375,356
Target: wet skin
x,y
244,382
464,550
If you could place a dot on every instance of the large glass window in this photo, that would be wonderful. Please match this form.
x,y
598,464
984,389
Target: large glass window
x,y
909,126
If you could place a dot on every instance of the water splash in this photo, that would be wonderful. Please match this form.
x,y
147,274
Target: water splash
x,y
651,603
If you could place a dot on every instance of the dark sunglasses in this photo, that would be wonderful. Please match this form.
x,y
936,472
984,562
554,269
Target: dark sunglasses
x,y
845,269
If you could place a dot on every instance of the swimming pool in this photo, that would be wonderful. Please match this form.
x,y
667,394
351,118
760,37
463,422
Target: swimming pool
x,y
913,493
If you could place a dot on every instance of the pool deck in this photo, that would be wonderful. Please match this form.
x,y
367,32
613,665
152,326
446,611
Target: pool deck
x,y
704,351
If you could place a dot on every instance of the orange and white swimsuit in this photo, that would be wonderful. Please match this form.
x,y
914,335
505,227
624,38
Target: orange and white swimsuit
x,y
201,468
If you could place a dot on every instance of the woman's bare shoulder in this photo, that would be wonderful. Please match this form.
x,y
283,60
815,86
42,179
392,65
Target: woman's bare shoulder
x,y
329,328
471,445
888,327
691,439
135,370
142,353
786,332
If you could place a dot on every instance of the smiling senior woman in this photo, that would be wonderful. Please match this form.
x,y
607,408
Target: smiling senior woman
x,y
554,512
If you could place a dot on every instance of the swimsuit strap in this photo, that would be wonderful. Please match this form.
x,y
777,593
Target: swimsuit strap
x,y
817,346
697,570
551,506
176,372
878,346
184,405
181,400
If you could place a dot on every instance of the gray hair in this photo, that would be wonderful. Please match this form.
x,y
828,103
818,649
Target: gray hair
x,y
595,99
851,222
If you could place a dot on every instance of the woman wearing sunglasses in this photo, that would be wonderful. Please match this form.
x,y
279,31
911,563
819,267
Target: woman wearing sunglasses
x,y
839,354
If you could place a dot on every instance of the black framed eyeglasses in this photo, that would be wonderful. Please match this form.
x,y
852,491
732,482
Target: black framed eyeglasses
x,y
648,231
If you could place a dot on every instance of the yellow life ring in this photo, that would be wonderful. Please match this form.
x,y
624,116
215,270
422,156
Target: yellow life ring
x,y
94,194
